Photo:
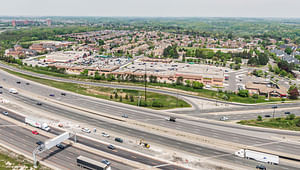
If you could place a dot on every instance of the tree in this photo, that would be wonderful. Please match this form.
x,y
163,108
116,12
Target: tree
x,y
288,50
243,93
101,42
187,83
179,80
131,99
197,85
293,92
116,95
85,72
121,98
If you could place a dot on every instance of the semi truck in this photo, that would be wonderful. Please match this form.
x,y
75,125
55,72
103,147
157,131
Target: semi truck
x,y
258,156
38,124
87,163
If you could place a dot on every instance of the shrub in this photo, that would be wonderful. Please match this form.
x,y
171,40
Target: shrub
x,y
259,118
243,93
290,117
131,99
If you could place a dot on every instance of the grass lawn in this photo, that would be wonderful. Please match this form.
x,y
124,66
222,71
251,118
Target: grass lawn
x,y
287,123
133,97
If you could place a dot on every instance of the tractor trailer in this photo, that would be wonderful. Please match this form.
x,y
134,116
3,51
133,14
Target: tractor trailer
x,y
38,124
258,156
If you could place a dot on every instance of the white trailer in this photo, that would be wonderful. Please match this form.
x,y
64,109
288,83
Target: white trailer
x,y
38,124
258,156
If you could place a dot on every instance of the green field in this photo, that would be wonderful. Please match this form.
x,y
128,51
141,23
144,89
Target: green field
x,y
133,97
288,123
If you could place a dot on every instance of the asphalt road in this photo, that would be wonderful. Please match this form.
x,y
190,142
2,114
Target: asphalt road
x,y
149,116
99,146
196,149
24,141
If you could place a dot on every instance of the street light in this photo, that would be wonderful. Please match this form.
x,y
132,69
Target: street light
x,y
274,107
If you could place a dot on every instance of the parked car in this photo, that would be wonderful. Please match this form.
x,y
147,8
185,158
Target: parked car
x,y
86,130
52,95
267,115
105,134
106,162
111,147
60,146
18,82
287,113
119,140
261,167
0,92
39,142
1,87
27,83
5,113
35,132
224,118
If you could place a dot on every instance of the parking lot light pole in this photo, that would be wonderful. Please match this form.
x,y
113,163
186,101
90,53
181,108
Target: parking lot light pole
x,y
274,107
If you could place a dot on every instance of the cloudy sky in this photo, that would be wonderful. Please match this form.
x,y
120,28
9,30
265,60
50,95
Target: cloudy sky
x,y
161,8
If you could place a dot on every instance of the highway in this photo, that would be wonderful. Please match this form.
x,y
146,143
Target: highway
x,y
192,148
99,146
24,141
148,116
140,114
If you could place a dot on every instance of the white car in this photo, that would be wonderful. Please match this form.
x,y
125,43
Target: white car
x,y
5,113
86,130
13,91
105,134
223,118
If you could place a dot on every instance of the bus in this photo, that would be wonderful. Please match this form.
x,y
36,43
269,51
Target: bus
x,y
90,164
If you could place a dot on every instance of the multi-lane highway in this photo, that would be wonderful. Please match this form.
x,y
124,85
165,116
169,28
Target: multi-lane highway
x,y
138,114
23,140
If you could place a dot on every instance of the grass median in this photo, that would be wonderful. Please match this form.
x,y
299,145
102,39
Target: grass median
x,y
291,122
133,97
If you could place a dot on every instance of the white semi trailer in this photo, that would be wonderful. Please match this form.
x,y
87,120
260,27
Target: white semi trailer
x,y
38,124
258,156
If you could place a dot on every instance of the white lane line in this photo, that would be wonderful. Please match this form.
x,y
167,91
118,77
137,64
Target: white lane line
x,y
157,166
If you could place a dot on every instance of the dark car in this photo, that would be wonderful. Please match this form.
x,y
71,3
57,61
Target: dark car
x,y
287,113
18,82
125,115
39,103
1,87
119,140
60,146
1,92
267,115
106,162
39,142
52,95
261,167
63,94
111,147
27,83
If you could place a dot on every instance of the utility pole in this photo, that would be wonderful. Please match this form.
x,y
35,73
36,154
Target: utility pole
x,y
145,84
274,107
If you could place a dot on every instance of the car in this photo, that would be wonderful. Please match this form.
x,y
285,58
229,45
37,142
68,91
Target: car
x,y
35,132
39,142
106,162
18,82
125,115
86,130
60,146
5,113
39,103
224,118
267,115
52,95
1,92
119,140
63,94
27,83
287,113
105,134
111,147
1,87
261,167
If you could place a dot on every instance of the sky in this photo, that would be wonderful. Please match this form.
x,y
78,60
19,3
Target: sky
x,y
152,8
